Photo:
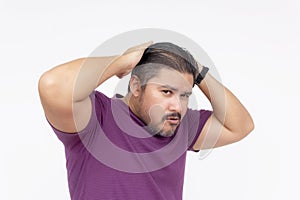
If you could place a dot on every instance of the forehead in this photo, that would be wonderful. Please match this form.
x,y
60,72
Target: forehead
x,y
173,78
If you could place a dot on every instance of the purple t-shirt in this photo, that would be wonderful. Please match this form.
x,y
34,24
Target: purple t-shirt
x,y
115,158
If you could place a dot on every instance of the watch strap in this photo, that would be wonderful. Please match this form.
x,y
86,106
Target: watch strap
x,y
201,75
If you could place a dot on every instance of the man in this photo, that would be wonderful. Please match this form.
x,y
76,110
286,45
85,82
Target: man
x,y
134,147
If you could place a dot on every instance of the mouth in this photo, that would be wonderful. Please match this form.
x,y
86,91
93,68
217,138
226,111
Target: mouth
x,y
173,120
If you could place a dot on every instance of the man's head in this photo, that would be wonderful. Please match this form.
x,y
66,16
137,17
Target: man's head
x,y
160,87
164,55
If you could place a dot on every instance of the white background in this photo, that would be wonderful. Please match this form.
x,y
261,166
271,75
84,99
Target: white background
x,y
254,45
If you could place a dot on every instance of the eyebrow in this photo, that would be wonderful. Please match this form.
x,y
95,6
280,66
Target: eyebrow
x,y
175,89
169,87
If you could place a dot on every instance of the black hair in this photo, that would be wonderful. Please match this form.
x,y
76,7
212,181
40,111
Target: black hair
x,y
164,55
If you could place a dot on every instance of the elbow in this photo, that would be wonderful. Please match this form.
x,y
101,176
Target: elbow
x,y
248,127
251,125
46,84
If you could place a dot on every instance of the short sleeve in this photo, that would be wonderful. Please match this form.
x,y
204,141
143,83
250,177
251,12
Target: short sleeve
x,y
196,121
98,101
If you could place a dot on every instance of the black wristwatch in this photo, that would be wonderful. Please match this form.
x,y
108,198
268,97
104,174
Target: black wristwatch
x,y
201,75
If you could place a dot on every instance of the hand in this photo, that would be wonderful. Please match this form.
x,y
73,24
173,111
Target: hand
x,y
200,67
130,58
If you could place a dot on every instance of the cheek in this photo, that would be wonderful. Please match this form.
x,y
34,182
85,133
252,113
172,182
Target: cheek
x,y
147,111
153,108
184,107
156,112
153,101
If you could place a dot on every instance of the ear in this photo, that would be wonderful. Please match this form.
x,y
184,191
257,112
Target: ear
x,y
135,85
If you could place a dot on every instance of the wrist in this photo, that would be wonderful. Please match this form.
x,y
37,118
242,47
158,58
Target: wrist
x,y
202,73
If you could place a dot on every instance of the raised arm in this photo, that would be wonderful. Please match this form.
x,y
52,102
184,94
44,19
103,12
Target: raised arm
x,y
64,90
230,121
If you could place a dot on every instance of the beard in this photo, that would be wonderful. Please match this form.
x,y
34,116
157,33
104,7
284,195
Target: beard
x,y
156,131
162,127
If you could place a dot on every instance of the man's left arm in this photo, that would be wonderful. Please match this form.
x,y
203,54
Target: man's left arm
x,y
230,120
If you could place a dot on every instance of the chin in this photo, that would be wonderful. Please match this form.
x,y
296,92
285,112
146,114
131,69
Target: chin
x,y
162,132
169,133
166,134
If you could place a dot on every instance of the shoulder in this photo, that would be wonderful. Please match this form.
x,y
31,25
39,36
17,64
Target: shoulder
x,y
100,99
100,96
196,119
197,115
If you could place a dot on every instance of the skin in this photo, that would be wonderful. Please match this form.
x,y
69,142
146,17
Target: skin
x,y
163,103
64,92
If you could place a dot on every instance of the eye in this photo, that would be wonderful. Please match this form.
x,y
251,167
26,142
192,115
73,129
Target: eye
x,y
167,92
185,96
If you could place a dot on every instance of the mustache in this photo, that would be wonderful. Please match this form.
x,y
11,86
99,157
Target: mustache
x,y
177,115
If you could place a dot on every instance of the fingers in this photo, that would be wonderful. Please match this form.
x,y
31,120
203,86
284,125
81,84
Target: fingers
x,y
145,45
142,46
200,66
130,58
139,48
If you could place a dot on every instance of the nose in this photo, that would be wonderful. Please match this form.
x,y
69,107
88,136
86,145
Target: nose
x,y
175,104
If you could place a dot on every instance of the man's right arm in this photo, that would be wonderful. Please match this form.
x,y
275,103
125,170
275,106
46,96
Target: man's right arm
x,y
64,90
